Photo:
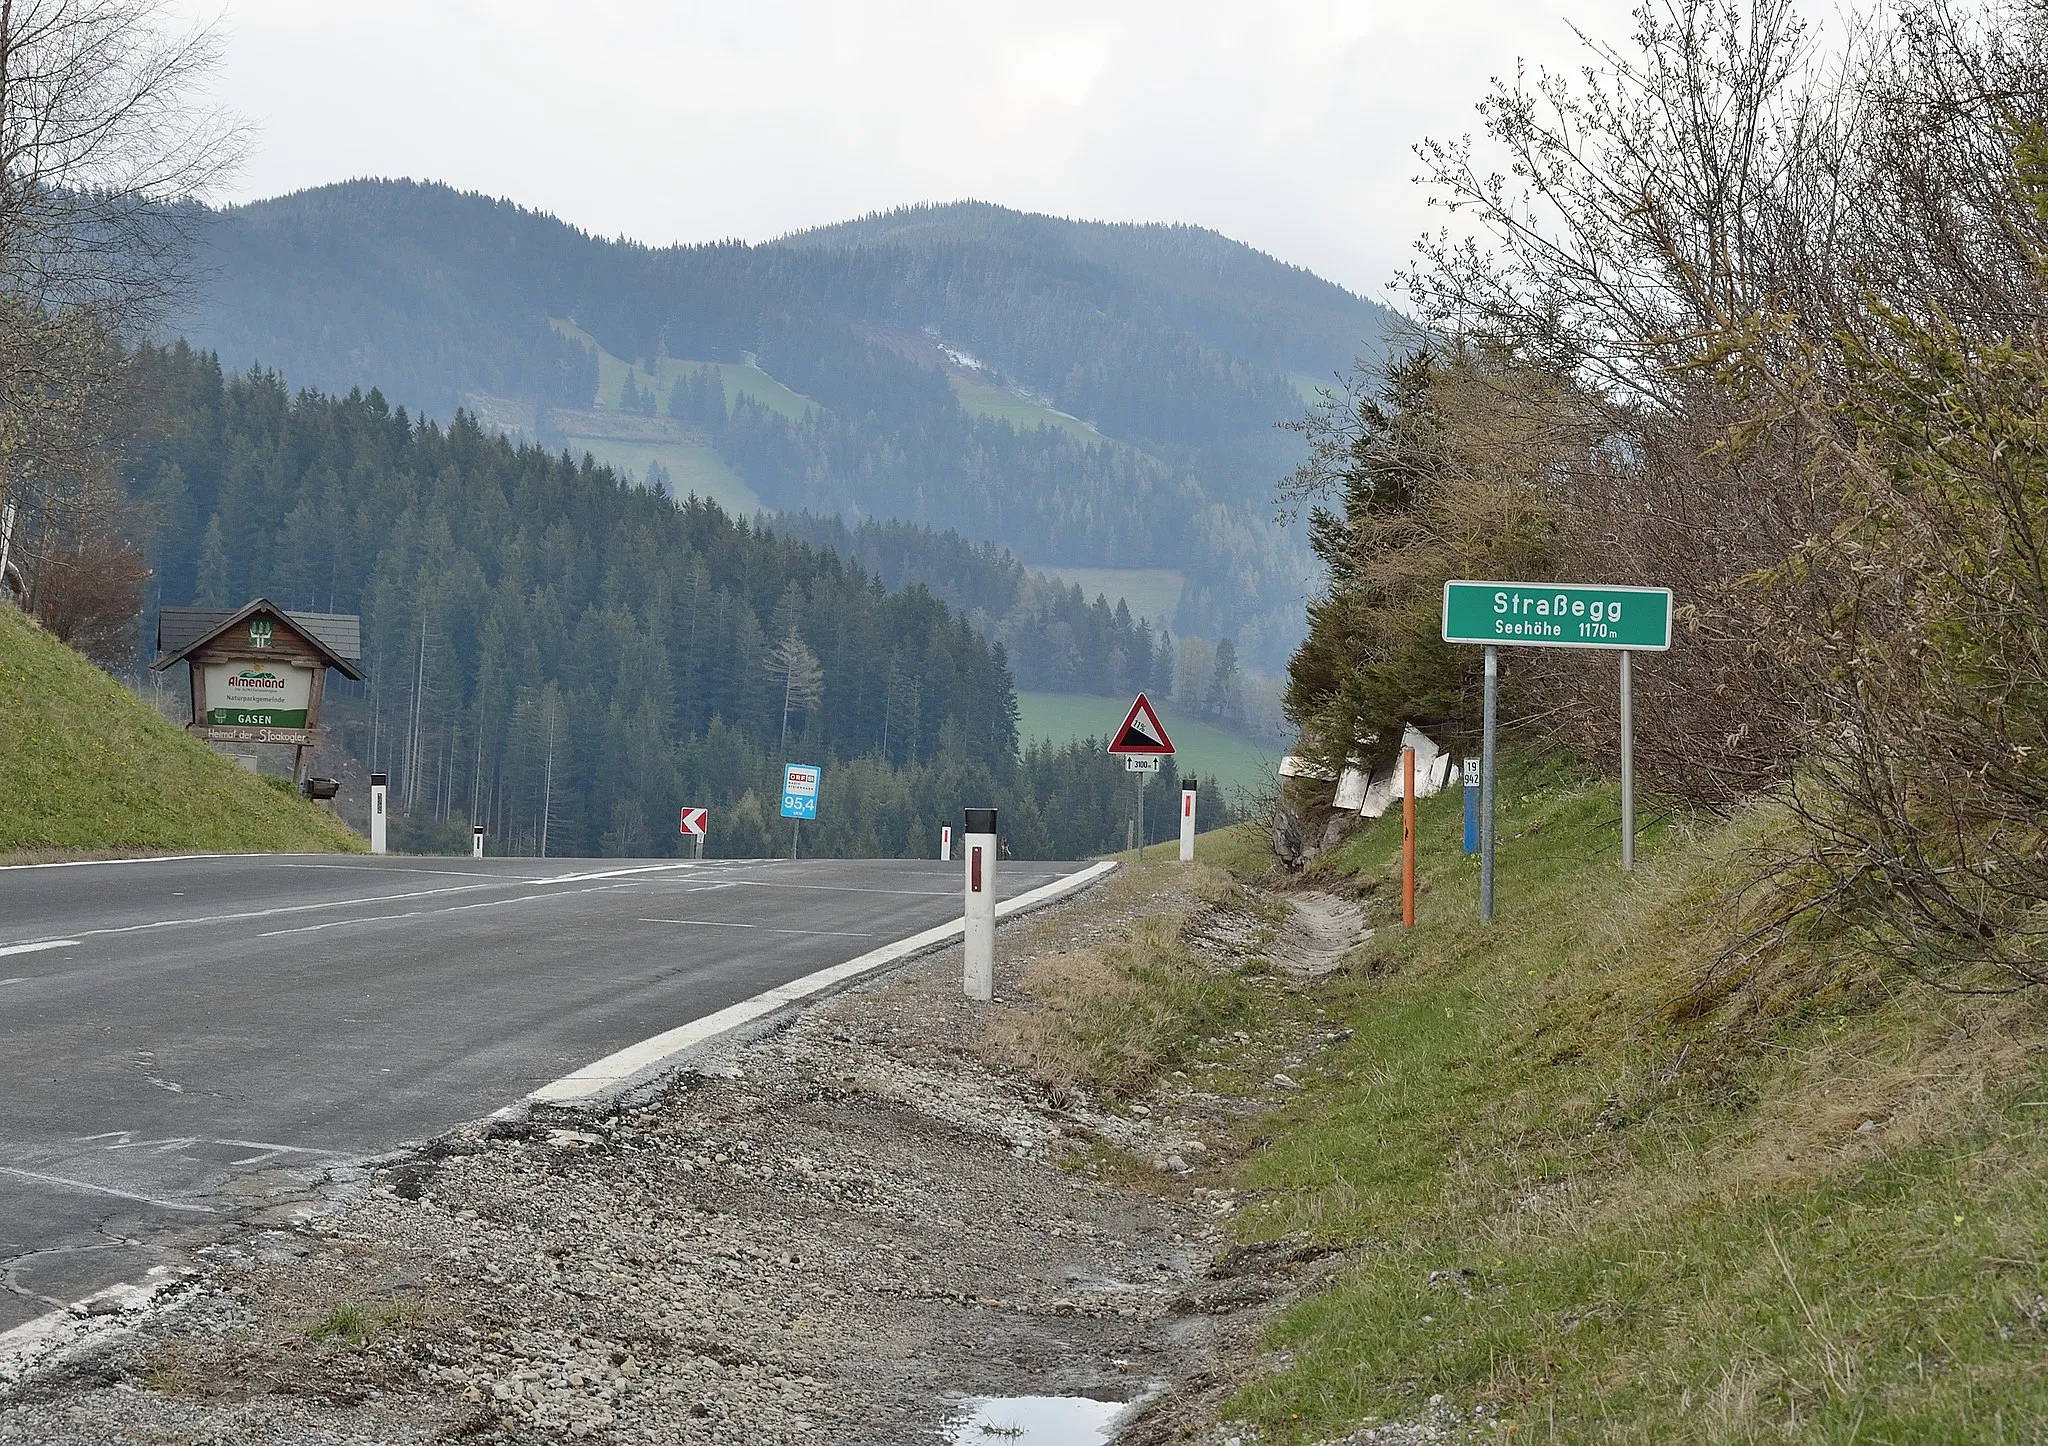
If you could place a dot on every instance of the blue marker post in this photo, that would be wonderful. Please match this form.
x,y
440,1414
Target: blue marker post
x,y
1471,773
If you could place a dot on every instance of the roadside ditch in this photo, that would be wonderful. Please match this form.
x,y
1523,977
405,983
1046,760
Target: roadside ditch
x,y
881,1223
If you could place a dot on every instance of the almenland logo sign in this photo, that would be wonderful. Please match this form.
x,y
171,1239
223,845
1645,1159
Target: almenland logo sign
x,y
257,695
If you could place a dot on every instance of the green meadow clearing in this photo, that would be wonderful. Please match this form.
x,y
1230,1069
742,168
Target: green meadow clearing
x,y
691,469
1151,592
984,399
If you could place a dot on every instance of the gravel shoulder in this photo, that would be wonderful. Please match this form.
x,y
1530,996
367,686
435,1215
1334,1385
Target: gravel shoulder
x,y
833,1233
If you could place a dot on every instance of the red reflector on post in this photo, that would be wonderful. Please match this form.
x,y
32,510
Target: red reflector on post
x,y
974,871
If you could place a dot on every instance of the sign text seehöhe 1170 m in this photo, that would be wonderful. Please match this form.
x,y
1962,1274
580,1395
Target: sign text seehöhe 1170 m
x,y
1557,615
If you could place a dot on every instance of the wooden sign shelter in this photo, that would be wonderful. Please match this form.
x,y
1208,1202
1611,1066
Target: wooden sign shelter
x,y
259,673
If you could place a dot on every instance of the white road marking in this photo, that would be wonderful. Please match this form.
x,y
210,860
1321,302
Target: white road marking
x,y
764,928
35,1341
848,889
266,1149
638,1061
398,869
104,863
452,909
86,1185
283,909
37,948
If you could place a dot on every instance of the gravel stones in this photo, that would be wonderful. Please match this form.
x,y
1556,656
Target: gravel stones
x,y
828,1235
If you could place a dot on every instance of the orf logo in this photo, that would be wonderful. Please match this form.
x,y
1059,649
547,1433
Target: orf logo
x,y
259,632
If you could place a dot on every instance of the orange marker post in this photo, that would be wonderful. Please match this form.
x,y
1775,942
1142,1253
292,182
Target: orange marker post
x,y
1407,838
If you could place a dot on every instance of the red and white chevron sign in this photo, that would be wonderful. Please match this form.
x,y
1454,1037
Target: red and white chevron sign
x,y
694,821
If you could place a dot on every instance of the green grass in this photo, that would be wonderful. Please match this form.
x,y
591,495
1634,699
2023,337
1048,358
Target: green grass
x,y
741,379
984,399
1584,1182
88,767
353,1325
1151,592
698,470
1206,751
1242,849
1115,1018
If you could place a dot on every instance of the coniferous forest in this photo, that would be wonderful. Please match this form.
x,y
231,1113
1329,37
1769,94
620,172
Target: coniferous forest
x,y
559,654
1084,394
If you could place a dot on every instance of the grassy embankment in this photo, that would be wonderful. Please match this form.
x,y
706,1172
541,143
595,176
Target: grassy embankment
x,y
1582,1176
87,768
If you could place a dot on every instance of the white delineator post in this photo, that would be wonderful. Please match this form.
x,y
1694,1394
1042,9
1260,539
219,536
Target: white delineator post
x,y
1188,786
945,843
476,841
978,979
379,787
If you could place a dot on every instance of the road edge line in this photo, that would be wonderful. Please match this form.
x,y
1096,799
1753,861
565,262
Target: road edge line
x,y
637,1064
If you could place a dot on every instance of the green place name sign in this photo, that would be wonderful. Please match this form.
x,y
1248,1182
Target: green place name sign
x,y
1557,615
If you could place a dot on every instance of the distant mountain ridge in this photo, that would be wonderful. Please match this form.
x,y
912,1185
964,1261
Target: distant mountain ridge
x,y
1306,324
945,353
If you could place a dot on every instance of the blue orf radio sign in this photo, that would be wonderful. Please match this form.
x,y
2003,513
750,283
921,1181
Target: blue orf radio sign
x,y
800,790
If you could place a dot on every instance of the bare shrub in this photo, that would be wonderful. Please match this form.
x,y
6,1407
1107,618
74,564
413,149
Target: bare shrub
x,y
89,582
1801,290
102,151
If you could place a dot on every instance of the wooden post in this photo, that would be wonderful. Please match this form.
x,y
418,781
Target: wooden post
x,y
1407,838
302,760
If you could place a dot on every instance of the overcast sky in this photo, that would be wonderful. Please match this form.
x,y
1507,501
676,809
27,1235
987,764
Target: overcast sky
x,y
1286,125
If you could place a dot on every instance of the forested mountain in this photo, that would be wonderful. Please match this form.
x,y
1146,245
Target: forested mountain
x,y
555,650
1057,639
1086,394
1219,293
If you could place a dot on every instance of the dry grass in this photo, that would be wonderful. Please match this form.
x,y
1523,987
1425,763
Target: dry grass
x,y
1796,1199
1108,1020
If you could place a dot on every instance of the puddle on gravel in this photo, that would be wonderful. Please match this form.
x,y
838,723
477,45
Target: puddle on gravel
x,y
1036,1421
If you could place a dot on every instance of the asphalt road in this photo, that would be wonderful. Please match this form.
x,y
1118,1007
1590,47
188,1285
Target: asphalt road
x,y
184,1042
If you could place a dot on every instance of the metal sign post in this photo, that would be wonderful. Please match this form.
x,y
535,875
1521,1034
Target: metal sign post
x,y
696,822
1142,742
1489,730
1628,766
1624,620
1144,768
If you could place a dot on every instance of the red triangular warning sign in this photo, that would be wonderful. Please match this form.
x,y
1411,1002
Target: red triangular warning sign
x,y
1142,732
